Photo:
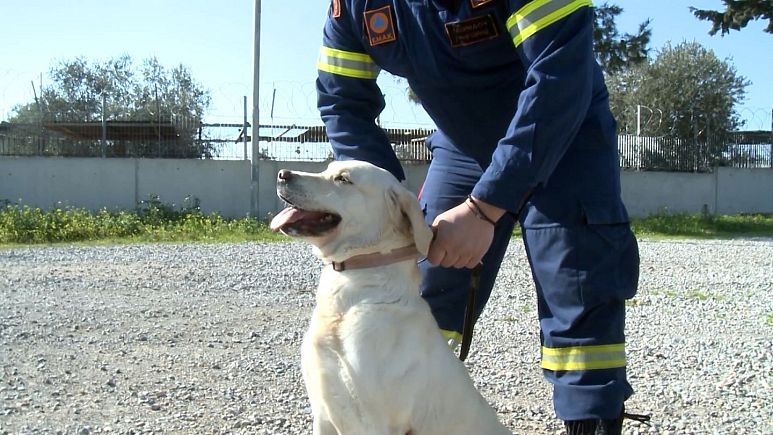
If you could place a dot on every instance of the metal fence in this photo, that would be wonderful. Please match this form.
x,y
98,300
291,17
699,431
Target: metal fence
x,y
751,149
110,139
310,143
294,143
172,140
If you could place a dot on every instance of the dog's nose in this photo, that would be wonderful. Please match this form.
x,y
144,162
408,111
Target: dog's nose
x,y
284,175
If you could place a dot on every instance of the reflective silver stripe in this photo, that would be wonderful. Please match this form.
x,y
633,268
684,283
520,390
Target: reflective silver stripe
x,y
347,63
583,357
538,15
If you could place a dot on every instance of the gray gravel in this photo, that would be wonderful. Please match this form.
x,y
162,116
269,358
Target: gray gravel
x,y
205,339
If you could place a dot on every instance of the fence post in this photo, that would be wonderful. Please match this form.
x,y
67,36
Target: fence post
x,y
244,128
158,120
254,176
103,142
638,136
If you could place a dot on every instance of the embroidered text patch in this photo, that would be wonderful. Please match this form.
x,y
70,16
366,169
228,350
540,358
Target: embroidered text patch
x,y
471,31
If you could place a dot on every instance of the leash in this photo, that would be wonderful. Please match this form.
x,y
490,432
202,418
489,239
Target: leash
x,y
469,313
641,418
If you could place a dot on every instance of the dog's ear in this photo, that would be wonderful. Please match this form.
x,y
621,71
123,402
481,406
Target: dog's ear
x,y
411,212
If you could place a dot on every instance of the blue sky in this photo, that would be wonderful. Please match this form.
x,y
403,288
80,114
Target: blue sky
x,y
215,41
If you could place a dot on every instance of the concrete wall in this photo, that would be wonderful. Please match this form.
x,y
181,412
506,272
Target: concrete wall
x,y
224,186
121,183
744,190
725,191
45,182
221,185
645,193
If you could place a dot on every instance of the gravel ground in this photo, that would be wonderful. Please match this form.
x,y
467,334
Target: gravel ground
x,y
205,339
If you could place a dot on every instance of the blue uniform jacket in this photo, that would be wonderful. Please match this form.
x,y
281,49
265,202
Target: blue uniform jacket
x,y
511,83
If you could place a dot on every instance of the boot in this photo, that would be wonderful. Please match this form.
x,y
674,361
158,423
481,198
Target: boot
x,y
594,427
602,427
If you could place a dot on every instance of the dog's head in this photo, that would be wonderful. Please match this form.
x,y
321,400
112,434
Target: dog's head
x,y
349,209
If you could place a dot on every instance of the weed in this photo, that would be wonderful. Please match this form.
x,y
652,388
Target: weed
x,y
155,221
636,302
152,221
696,295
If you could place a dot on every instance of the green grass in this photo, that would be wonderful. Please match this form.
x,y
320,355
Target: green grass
x,y
636,302
153,222
702,226
695,295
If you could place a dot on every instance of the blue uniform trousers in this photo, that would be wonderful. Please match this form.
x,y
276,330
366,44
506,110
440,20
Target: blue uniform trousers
x,y
584,262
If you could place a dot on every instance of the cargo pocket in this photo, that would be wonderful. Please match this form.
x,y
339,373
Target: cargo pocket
x,y
612,262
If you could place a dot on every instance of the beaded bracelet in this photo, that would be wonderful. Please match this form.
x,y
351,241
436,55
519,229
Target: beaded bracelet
x,y
475,209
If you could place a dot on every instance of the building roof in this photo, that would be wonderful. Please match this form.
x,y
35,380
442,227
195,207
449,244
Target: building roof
x,y
116,130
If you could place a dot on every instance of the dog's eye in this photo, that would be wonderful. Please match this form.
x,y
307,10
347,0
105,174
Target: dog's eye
x,y
342,179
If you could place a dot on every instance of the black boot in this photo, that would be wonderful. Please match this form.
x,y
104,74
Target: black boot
x,y
594,427
602,427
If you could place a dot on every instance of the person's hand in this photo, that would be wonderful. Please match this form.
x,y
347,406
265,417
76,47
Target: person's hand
x,y
461,238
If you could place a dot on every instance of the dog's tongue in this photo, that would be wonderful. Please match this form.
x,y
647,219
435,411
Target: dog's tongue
x,y
291,215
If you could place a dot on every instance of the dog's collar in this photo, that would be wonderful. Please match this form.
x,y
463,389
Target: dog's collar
x,y
376,259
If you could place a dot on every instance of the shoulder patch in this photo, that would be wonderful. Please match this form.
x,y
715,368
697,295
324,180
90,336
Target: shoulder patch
x,y
380,27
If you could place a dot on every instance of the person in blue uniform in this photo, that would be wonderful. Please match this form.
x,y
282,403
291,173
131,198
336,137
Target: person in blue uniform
x,y
525,134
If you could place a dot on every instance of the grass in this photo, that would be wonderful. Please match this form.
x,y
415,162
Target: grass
x,y
703,226
153,222
636,302
695,295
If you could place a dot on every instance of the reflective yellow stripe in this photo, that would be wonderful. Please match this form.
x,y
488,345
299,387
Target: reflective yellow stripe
x,y
606,356
538,15
451,335
347,63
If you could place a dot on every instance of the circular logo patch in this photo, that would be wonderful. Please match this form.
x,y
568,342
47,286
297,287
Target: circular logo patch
x,y
379,22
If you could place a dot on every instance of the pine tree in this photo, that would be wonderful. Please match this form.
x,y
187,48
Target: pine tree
x,y
615,52
737,15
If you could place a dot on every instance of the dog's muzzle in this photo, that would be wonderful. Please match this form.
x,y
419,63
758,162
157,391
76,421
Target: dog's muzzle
x,y
295,221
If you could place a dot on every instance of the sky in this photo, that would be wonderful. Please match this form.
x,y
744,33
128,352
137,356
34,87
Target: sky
x,y
215,40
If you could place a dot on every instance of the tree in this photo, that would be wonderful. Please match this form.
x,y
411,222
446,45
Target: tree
x,y
686,93
613,51
736,15
150,93
688,84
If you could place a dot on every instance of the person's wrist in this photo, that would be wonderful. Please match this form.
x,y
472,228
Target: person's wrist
x,y
490,213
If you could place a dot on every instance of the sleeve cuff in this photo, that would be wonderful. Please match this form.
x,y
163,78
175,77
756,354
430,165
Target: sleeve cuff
x,y
510,197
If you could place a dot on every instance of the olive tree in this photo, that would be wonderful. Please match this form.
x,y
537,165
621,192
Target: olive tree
x,y
82,91
686,93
